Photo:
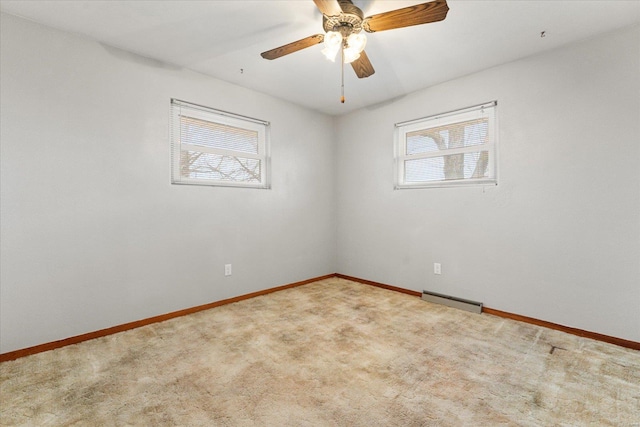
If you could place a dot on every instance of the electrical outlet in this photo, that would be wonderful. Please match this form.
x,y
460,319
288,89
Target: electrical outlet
x,y
227,269
437,268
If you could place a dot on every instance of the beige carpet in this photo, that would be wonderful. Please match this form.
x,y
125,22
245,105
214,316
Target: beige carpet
x,y
332,352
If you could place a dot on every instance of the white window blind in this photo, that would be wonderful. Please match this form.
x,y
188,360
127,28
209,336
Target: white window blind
x,y
213,147
455,148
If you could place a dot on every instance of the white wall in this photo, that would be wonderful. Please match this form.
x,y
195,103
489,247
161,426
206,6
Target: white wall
x,y
559,238
93,233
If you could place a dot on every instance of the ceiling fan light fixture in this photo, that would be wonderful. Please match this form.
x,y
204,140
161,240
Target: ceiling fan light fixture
x,y
350,55
357,41
330,53
333,39
332,45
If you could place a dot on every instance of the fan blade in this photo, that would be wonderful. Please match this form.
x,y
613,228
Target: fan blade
x,y
413,15
328,7
362,66
293,47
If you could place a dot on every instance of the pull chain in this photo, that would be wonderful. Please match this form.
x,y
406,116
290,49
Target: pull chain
x,y
342,75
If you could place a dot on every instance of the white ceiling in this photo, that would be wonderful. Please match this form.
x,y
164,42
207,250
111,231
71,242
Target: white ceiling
x,y
224,39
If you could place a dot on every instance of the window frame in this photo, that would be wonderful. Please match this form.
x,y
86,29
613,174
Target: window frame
x,y
199,112
439,120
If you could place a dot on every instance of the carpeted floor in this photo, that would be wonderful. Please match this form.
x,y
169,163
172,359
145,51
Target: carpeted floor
x,y
332,353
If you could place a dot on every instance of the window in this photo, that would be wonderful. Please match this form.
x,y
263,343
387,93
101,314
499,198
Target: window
x,y
211,147
456,148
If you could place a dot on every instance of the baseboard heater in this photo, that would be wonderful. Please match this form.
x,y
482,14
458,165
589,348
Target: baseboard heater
x,y
463,304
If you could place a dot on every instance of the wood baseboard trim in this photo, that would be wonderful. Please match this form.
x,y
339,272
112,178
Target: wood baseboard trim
x,y
574,331
380,285
16,354
12,355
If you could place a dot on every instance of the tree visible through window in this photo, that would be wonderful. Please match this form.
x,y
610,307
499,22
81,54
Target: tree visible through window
x,y
451,149
215,148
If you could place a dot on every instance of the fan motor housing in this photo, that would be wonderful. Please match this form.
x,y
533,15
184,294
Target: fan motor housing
x,y
347,22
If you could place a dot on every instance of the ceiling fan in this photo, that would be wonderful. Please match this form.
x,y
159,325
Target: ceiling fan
x,y
343,23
